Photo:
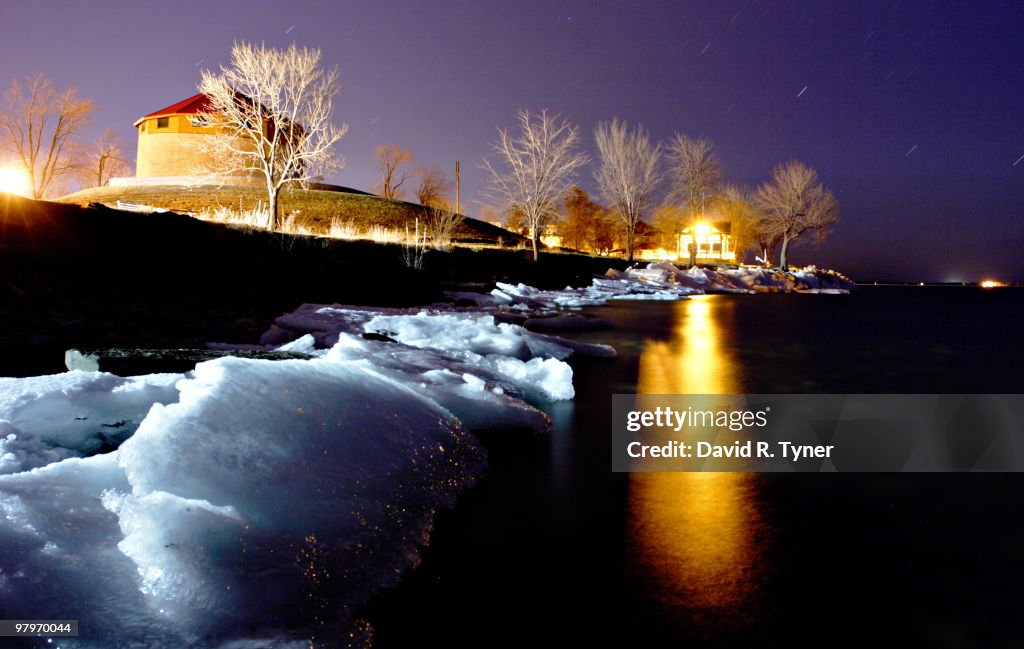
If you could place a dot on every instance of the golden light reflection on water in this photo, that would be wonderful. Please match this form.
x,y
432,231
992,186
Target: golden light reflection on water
x,y
695,537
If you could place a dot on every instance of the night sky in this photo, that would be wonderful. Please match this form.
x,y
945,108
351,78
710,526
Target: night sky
x,y
911,112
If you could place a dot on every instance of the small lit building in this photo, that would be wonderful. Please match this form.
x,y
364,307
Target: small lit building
x,y
171,148
712,241
549,235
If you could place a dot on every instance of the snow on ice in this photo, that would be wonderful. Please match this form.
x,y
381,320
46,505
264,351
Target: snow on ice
x,y
463,342
256,503
660,281
268,495
48,418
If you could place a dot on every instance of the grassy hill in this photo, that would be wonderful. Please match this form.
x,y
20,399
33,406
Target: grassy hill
x,y
91,277
314,210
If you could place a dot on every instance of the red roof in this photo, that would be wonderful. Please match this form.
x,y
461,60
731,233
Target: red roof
x,y
194,104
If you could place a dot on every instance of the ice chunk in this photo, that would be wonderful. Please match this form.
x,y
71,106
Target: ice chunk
x,y
304,344
653,273
498,348
478,334
267,481
665,281
312,455
60,554
49,418
464,384
550,377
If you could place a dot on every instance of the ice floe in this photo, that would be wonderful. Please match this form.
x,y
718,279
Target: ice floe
x,y
261,506
661,281
255,502
48,418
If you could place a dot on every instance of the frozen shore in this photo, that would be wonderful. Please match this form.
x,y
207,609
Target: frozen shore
x,y
665,281
258,503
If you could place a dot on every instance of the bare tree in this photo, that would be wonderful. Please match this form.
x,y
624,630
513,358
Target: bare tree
x,y
271,112
96,163
696,173
738,206
37,123
414,247
433,188
794,203
390,158
628,173
541,161
440,224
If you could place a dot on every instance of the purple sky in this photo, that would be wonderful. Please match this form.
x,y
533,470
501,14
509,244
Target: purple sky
x,y
911,112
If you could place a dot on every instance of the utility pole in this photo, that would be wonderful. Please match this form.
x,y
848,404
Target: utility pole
x,y
458,188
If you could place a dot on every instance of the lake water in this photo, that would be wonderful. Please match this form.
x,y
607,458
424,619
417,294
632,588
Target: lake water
x,y
552,549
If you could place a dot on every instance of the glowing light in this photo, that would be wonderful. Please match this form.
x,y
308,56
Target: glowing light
x,y
703,229
15,181
698,536
991,283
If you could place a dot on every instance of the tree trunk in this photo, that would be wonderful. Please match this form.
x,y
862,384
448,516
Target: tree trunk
x,y
535,240
692,252
782,255
773,245
36,193
629,241
272,193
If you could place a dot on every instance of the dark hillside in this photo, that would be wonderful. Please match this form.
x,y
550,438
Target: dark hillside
x,y
96,277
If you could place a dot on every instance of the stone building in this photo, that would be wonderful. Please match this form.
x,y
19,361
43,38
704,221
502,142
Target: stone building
x,y
170,149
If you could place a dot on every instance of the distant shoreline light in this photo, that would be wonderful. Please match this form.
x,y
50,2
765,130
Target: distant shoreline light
x,y
991,283
988,283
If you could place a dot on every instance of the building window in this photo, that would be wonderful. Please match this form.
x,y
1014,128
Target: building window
x,y
163,122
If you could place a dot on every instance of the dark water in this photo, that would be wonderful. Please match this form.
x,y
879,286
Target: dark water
x,y
552,549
